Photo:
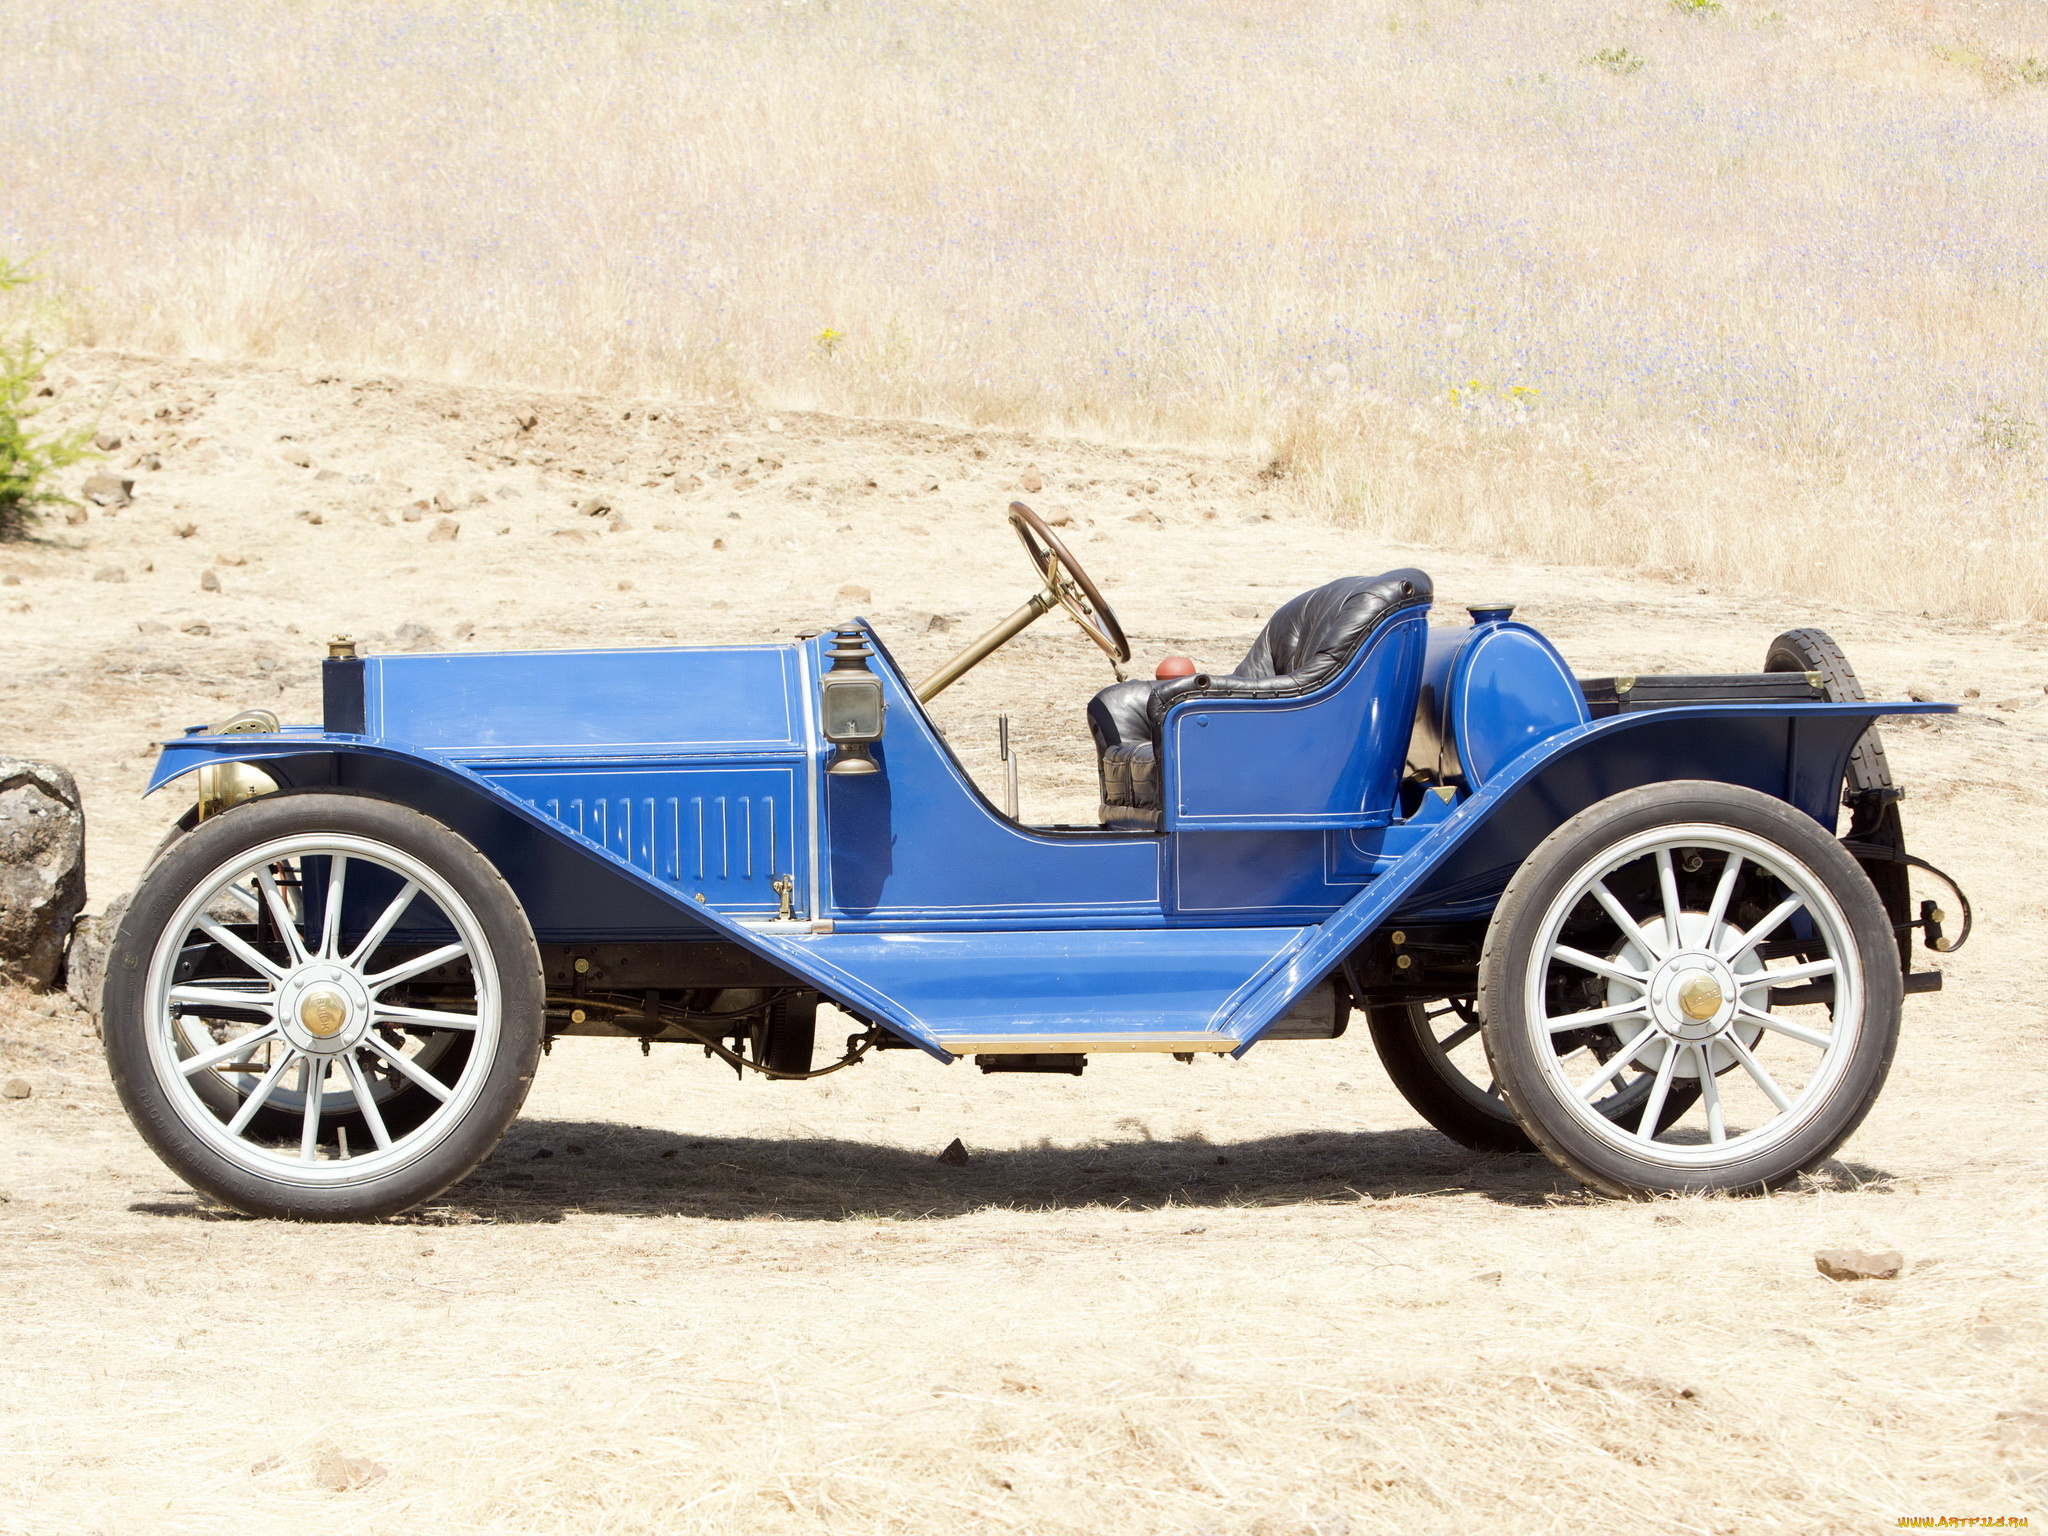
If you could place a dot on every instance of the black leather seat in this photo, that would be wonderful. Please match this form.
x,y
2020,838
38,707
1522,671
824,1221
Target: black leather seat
x,y
1306,641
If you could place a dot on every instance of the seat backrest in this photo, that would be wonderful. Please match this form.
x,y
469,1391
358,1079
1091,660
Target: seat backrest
x,y
1310,636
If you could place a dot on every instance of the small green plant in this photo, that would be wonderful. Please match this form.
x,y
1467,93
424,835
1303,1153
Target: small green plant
x,y
1619,61
27,460
827,341
1697,7
2031,71
2001,429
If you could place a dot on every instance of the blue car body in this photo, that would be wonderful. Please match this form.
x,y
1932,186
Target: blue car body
x,y
680,797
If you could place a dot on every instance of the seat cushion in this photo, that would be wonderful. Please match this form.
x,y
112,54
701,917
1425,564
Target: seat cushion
x,y
1310,636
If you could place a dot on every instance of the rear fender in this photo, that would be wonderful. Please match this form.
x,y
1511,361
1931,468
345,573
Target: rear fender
x,y
1456,869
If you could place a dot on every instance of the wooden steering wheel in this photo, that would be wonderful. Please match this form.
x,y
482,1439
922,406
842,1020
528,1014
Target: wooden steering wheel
x,y
1064,577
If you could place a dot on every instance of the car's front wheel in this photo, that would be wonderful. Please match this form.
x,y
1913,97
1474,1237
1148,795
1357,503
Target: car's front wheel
x,y
323,1006
1743,961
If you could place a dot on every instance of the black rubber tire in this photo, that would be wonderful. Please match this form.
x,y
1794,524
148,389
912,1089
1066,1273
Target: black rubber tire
x,y
202,852
1814,650
1434,1087
1508,954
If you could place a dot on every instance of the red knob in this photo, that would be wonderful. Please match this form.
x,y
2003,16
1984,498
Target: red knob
x,y
1176,666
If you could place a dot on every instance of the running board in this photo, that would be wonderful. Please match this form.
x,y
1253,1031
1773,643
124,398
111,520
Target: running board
x,y
1067,1045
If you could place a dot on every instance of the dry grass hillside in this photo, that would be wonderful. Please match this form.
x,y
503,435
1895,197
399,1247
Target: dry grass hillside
x,y
1237,1299
1747,290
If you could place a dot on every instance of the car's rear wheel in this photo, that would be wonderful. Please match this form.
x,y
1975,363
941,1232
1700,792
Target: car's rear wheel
x,y
323,1006
1433,1053
1738,952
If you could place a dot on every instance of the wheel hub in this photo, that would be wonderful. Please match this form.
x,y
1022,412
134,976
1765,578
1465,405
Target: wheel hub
x,y
1692,995
323,1008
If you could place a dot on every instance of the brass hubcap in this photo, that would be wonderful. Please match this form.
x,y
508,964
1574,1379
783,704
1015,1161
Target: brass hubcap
x,y
323,1011
1700,998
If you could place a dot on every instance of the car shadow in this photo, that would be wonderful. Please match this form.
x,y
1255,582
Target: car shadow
x,y
546,1170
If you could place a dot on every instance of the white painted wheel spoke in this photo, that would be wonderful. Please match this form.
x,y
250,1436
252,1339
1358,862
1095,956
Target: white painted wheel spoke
x,y
1660,1091
241,1045
1607,968
261,1093
1457,1037
1791,973
366,1101
1710,1095
1755,1069
281,915
425,1018
1772,921
1625,920
386,921
1724,892
313,1083
1616,1065
1635,1008
405,1068
241,949
1786,1027
330,917
405,970
194,994
1667,886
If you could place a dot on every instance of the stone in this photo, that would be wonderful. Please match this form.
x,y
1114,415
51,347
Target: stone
x,y
108,490
718,543
1031,479
617,524
1853,1264
76,516
337,1473
1058,517
85,960
477,499
414,511
209,580
593,506
929,483
444,530
312,517
773,423
854,592
110,573
16,1088
508,493
152,626
42,868
1150,487
195,627
689,482
414,636
955,1155
297,456
230,559
148,461
443,502
107,442
184,530
526,422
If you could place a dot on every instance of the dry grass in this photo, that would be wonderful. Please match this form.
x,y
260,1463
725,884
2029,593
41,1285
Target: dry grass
x,y
1767,310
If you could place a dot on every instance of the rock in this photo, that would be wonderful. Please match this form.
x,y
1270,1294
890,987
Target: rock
x,y
148,461
1058,517
76,516
443,502
689,482
110,573
108,490
2024,1428
195,627
414,636
311,517
955,1155
337,1473
414,511
444,529
718,543
508,493
85,961
929,483
152,626
230,559
854,592
107,442
16,1088
1150,487
297,456
209,580
328,474
42,868
526,422
773,423
1031,479
1852,1264
593,506
617,524
477,499
184,530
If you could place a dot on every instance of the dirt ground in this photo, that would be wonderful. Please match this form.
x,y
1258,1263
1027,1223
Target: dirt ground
x,y
1213,1298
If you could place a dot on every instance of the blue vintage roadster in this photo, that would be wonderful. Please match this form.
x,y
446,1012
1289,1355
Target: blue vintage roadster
x,y
1623,920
